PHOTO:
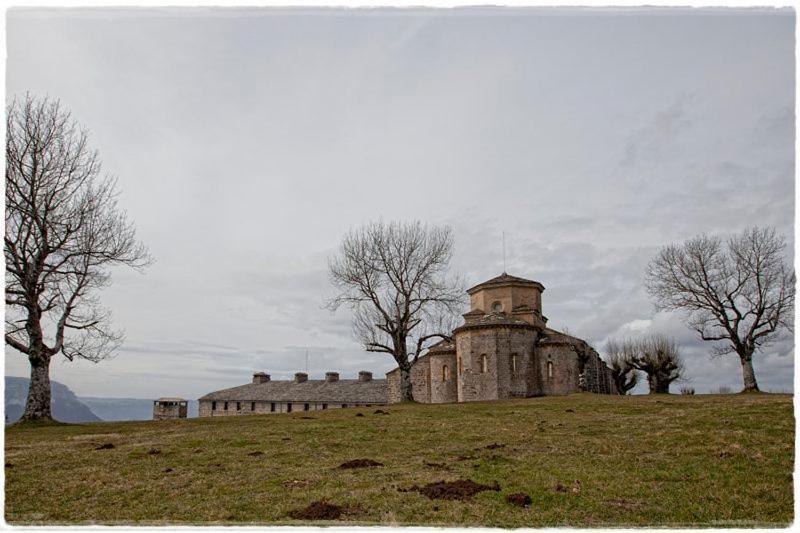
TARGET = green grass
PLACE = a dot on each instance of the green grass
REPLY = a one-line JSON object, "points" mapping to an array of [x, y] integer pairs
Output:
{"points": [[723, 461]]}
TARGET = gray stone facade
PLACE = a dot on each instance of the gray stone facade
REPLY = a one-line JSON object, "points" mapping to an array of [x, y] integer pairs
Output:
{"points": [[168, 408], [505, 352], [266, 396]]}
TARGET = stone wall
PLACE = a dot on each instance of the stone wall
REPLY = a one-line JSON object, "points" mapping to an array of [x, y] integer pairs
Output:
{"points": [[508, 296], [497, 345], [165, 412], [208, 408], [420, 382], [516, 372], [597, 376], [443, 388], [557, 369]]}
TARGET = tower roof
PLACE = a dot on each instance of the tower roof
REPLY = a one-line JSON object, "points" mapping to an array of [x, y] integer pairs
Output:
{"points": [[505, 279]]}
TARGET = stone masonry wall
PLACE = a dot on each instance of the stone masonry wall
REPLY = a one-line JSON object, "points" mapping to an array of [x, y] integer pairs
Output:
{"points": [[597, 375], [515, 363], [565, 375], [497, 345], [420, 384], [265, 408], [443, 389]]}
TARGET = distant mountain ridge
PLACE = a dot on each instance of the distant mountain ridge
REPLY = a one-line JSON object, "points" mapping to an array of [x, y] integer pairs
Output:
{"points": [[120, 409], [65, 405]]}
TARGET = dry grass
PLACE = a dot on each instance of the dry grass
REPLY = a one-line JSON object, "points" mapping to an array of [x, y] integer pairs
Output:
{"points": [[610, 461]]}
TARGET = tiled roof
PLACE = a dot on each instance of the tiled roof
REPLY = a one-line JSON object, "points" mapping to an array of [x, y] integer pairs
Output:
{"points": [[505, 279], [341, 391], [490, 320], [443, 346]]}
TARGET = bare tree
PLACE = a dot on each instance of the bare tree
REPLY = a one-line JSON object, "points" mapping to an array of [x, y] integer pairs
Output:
{"points": [[395, 279], [63, 231], [659, 358], [738, 293], [620, 357]]}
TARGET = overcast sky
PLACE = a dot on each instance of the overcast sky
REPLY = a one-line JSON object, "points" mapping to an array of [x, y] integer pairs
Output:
{"points": [[247, 142]]}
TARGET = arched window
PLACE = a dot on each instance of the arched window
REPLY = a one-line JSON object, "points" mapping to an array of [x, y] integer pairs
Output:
{"points": [[458, 364], [497, 307], [549, 369], [483, 363], [445, 373]]}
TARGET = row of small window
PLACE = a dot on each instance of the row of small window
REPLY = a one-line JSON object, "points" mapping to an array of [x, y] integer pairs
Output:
{"points": [[273, 406], [484, 366]]}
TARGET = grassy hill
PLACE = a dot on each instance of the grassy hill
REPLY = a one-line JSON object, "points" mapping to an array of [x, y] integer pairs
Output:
{"points": [[583, 460]]}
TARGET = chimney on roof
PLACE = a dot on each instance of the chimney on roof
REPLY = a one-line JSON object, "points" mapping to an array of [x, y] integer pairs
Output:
{"points": [[300, 377], [330, 377], [260, 377], [364, 376]]}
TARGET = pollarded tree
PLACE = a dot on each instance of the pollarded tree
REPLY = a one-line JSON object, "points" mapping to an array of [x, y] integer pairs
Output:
{"points": [[658, 356], [63, 231], [619, 356], [738, 293], [395, 279]]}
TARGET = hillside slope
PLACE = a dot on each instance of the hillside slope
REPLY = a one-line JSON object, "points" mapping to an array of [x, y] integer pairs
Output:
{"points": [[65, 405], [583, 460]]}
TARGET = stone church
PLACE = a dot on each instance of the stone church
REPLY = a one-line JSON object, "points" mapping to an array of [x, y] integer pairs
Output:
{"points": [[504, 349]]}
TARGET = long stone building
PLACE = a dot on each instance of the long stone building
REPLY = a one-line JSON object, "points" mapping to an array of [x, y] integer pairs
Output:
{"points": [[264, 395], [504, 349]]}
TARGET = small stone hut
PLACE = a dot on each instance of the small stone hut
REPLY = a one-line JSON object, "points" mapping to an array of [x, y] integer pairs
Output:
{"points": [[166, 408], [267, 396]]}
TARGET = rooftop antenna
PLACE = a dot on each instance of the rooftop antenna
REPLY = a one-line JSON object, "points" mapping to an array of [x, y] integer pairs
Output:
{"points": [[306, 360], [504, 252]]}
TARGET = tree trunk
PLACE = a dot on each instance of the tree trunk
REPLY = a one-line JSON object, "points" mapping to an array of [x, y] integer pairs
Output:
{"points": [[748, 374], [38, 405], [652, 380], [406, 392]]}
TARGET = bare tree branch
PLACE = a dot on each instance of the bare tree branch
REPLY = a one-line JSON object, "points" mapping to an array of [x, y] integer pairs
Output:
{"points": [[64, 230], [739, 293], [394, 277]]}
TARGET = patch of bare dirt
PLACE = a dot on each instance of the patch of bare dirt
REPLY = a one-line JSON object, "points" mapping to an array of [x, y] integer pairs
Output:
{"points": [[493, 446], [317, 511], [465, 457], [360, 414], [307, 418], [153, 451], [380, 412], [569, 411], [360, 463], [106, 446], [255, 453], [438, 466], [463, 489], [575, 488], [167, 470], [520, 499], [622, 502]]}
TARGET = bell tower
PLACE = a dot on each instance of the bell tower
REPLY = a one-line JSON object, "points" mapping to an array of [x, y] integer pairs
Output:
{"points": [[516, 297]]}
